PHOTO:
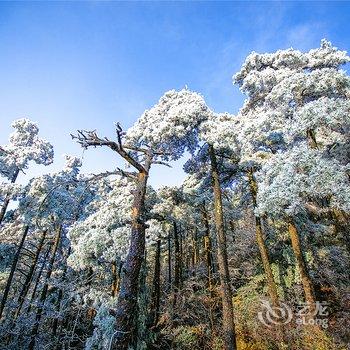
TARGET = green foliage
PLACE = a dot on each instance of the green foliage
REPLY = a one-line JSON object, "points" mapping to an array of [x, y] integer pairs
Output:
{"points": [[190, 337]]}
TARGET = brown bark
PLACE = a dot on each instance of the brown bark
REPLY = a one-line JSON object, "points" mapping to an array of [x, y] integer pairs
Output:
{"points": [[155, 299], [115, 279], [304, 273], [272, 288], [169, 261], [232, 228], [44, 291], [7, 198], [229, 335], [127, 302], [209, 262], [266, 263], [181, 258], [195, 247], [120, 267], [208, 249], [177, 265], [342, 226], [13, 269], [311, 138], [29, 276]]}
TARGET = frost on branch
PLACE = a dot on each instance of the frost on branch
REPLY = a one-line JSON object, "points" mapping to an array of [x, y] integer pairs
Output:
{"points": [[292, 95], [170, 126], [220, 131], [292, 179], [104, 233], [24, 146], [274, 65], [53, 198]]}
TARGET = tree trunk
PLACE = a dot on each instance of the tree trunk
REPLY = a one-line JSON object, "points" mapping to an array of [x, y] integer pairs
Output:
{"points": [[115, 279], [229, 334], [127, 302], [29, 276], [177, 267], [262, 244], [7, 198], [43, 294], [169, 261], [304, 273], [208, 249], [36, 285], [181, 256], [195, 247], [341, 220], [13, 268], [209, 262], [60, 295], [155, 300], [120, 268]]}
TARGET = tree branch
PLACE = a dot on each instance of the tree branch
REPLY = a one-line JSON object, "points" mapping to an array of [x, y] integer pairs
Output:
{"points": [[90, 138]]}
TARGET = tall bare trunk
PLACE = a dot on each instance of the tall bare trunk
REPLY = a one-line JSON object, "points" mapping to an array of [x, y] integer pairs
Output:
{"points": [[127, 302], [272, 288], [181, 257], [177, 267], [208, 249], [155, 299], [195, 247], [169, 261], [229, 334], [304, 273], [13, 269], [29, 276], [208, 261], [43, 294]]}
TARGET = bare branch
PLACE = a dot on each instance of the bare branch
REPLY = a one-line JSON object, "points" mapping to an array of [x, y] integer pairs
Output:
{"points": [[162, 163], [90, 138], [119, 172]]}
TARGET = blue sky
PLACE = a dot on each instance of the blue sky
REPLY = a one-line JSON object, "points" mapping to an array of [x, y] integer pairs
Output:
{"points": [[72, 65]]}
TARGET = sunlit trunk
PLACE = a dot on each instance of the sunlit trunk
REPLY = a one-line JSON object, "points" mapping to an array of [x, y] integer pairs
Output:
{"points": [[272, 288], [116, 274], [126, 307], [229, 335], [304, 273]]}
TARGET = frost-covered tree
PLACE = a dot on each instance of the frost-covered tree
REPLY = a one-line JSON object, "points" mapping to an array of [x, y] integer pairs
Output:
{"points": [[106, 262], [50, 203], [24, 146], [162, 133], [294, 125], [222, 133], [217, 157]]}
